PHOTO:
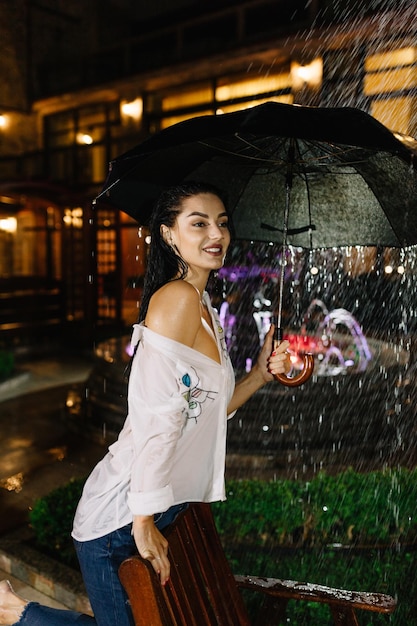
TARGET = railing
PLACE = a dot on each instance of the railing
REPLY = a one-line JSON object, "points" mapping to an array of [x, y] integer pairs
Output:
{"points": [[30, 309]]}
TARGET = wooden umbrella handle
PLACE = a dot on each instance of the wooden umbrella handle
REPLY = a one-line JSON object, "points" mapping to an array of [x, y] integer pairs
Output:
{"points": [[300, 378]]}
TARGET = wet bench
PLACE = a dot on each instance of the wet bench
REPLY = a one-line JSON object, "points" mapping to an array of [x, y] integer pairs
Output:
{"points": [[202, 590]]}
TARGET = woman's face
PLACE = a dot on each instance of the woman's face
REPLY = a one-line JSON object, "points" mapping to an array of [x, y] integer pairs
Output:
{"points": [[201, 232]]}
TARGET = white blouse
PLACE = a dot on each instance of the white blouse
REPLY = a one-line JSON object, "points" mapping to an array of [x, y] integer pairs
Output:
{"points": [[172, 446]]}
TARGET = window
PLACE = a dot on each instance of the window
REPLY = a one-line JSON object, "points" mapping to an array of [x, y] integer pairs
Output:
{"points": [[76, 142], [221, 95], [391, 84]]}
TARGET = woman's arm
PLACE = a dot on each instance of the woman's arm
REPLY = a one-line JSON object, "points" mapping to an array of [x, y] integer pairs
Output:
{"points": [[174, 312], [152, 545], [263, 371]]}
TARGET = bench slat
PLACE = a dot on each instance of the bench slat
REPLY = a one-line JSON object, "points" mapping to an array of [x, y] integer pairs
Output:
{"points": [[377, 602], [202, 590]]}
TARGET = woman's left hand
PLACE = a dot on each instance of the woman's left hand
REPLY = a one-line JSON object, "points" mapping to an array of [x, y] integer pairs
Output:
{"points": [[273, 358]]}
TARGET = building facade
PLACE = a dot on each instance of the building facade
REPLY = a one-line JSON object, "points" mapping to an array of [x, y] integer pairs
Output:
{"points": [[84, 82]]}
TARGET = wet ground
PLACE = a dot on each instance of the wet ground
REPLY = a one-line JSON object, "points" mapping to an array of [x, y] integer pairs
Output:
{"points": [[37, 453]]}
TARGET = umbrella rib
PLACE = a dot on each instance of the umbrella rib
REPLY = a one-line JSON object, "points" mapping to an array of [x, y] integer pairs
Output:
{"points": [[331, 151], [248, 157], [106, 190], [306, 182]]}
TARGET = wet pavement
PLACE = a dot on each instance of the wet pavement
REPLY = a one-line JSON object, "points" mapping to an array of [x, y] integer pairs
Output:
{"points": [[38, 454]]}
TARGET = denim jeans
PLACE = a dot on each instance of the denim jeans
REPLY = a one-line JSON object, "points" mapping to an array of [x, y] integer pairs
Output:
{"points": [[99, 561]]}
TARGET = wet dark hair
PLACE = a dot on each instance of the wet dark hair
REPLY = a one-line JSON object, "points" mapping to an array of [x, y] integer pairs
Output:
{"points": [[163, 263]]}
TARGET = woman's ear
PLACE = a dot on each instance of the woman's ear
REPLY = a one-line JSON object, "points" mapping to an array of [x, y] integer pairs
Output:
{"points": [[166, 235]]}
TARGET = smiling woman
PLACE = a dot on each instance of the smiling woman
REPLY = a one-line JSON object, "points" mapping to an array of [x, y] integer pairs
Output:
{"points": [[172, 447]]}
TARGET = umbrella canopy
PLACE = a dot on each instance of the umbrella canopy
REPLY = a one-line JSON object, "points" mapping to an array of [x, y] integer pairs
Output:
{"points": [[351, 181]]}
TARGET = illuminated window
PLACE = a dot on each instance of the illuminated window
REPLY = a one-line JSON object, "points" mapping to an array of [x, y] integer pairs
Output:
{"points": [[76, 141], [396, 113], [227, 94], [175, 119], [247, 87], [190, 97], [393, 58], [391, 82], [229, 108], [85, 125]]}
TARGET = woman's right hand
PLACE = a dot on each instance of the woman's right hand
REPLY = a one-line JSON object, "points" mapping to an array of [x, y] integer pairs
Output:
{"points": [[152, 545]]}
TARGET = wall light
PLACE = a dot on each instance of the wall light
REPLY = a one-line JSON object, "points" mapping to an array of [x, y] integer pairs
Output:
{"points": [[132, 109], [84, 138], [4, 121], [307, 75], [73, 217], [8, 224]]}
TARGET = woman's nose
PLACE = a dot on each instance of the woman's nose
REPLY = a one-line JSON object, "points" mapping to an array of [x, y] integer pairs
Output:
{"points": [[216, 232]]}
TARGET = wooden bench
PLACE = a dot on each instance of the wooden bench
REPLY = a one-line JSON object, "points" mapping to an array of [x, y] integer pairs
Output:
{"points": [[203, 591]]}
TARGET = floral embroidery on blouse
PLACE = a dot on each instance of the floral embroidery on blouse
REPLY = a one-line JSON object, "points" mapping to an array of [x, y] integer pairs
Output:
{"points": [[221, 335], [193, 394]]}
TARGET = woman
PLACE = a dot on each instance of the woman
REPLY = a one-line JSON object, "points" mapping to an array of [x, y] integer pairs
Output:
{"points": [[171, 450]]}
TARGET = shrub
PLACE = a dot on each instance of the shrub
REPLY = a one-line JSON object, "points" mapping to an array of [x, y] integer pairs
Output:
{"points": [[349, 508], [51, 520], [6, 364], [312, 531]]}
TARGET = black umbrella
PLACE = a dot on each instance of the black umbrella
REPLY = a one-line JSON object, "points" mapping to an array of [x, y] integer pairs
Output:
{"points": [[353, 180], [307, 176]]}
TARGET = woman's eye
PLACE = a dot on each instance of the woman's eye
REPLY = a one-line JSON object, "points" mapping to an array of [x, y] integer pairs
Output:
{"points": [[224, 224]]}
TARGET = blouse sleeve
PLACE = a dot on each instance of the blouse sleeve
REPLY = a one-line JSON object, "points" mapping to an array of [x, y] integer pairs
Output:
{"points": [[157, 412]]}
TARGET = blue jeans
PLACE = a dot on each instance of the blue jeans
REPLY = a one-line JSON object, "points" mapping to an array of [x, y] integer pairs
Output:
{"points": [[99, 561]]}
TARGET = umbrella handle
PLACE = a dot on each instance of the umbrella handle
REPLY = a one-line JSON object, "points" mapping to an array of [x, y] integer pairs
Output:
{"points": [[302, 377]]}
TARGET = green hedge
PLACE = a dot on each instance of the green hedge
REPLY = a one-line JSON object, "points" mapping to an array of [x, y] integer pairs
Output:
{"points": [[51, 520], [6, 364], [349, 508], [352, 530]]}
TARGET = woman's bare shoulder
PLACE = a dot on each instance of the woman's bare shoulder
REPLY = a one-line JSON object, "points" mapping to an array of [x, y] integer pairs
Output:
{"points": [[174, 312]]}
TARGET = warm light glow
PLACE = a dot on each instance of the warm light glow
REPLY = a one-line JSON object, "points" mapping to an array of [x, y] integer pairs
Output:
{"points": [[253, 87], [359, 260], [187, 97], [307, 75], [388, 269], [12, 483], [8, 224], [3, 121], [392, 72], [84, 138], [169, 121], [389, 81], [397, 114], [391, 58], [286, 99], [73, 217], [132, 109]]}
